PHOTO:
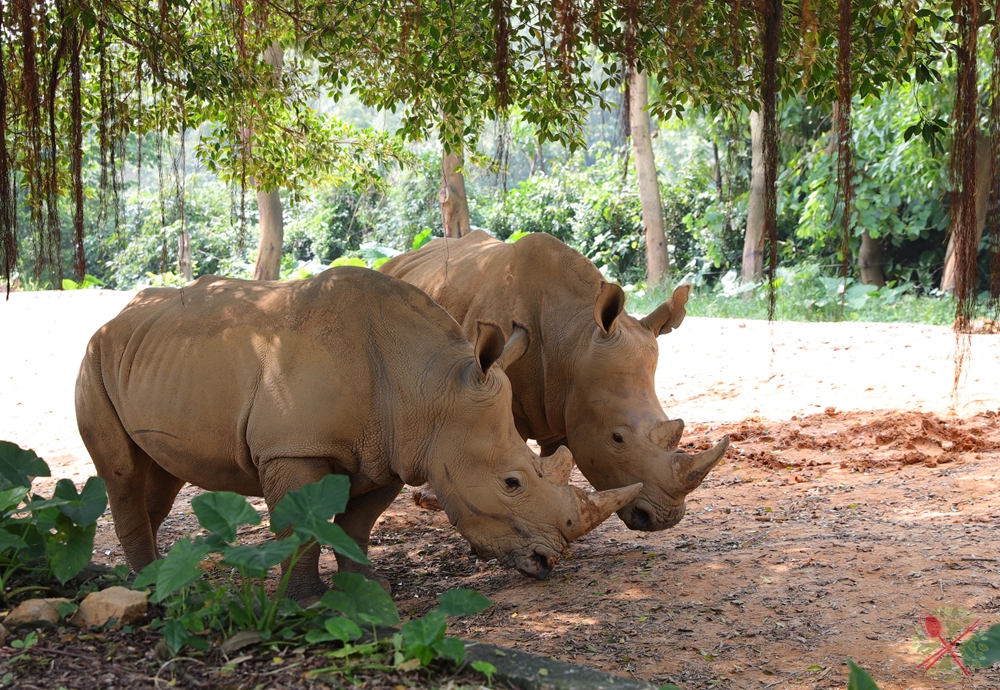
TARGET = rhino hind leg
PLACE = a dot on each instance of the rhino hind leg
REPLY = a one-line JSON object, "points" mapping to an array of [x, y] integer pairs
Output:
{"points": [[119, 462], [161, 490], [357, 521]]}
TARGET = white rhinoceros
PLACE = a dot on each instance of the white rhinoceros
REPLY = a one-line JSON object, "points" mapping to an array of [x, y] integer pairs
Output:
{"points": [[587, 378], [263, 387]]}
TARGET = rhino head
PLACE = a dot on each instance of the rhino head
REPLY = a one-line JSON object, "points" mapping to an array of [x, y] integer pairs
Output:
{"points": [[614, 422], [510, 503]]}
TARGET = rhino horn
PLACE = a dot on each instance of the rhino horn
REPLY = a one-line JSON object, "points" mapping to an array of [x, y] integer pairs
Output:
{"points": [[667, 435], [690, 470], [670, 314], [557, 467], [594, 508]]}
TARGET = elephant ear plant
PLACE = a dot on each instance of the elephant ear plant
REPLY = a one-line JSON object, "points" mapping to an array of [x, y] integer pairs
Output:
{"points": [[43, 539], [197, 608]]}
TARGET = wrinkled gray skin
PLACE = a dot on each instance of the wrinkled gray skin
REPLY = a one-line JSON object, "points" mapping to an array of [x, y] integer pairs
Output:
{"points": [[263, 387], [587, 380]]}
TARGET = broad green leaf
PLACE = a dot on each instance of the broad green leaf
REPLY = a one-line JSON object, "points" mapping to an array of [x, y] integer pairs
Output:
{"points": [[221, 512], [859, 678], [451, 648], [86, 506], [462, 602], [180, 568], [148, 576], [421, 636], [342, 629], [329, 534], [12, 497], [257, 560], [983, 649], [70, 548], [10, 541], [175, 635], [422, 238], [361, 600], [18, 466], [321, 500]]}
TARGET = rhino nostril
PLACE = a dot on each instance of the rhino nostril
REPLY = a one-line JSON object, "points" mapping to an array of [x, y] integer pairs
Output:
{"points": [[544, 565], [640, 520]]}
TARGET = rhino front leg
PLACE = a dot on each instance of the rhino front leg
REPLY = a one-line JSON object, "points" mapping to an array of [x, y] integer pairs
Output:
{"points": [[357, 521], [278, 477]]}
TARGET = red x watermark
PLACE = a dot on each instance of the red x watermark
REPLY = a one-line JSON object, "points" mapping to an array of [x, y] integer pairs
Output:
{"points": [[934, 629]]}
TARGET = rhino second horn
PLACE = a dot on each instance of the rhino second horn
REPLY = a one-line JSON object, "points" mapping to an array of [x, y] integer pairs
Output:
{"points": [[667, 435], [557, 467], [594, 508], [692, 469]]}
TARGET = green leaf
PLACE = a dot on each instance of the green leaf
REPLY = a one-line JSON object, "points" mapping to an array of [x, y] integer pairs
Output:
{"points": [[255, 561], [11, 498], [148, 576], [425, 631], [462, 602], [983, 649], [342, 629], [19, 466], [86, 506], [70, 548], [859, 678], [335, 537], [451, 648], [180, 568], [361, 600], [322, 500], [422, 238], [175, 635], [221, 512], [10, 542]]}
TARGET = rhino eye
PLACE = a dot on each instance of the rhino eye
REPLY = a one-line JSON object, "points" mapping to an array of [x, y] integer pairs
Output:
{"points": [[617, 438], [512, 483]]}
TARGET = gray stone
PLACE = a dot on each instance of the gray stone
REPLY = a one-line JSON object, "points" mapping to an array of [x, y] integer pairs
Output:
{"points": [[531, 672], [35, 612], [114, 603], [3, 636]]}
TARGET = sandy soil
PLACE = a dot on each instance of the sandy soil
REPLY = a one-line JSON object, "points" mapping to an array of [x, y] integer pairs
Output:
{"points": [[859, 494]]}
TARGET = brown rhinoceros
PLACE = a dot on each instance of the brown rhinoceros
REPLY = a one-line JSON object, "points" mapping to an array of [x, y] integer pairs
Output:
{"points": [[587, 379], [263, 387]]}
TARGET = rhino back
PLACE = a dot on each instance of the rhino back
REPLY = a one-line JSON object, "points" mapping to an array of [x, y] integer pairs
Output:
{"points": [[214, 378], [539, 282]]}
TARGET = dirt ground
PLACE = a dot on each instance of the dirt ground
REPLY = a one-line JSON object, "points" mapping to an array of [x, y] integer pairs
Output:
{"points": [[860, 493]]}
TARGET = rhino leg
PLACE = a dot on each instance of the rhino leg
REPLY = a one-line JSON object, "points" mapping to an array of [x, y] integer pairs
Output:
{"points": [[121, 464], [161, 490], [278, 477], [357, 521]]}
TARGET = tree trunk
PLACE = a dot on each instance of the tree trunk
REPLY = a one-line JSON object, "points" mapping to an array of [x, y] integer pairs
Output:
{"points": [[657, 256], [984, 171], [272, 225], [870, 260], [454, 204], [753, 240]]}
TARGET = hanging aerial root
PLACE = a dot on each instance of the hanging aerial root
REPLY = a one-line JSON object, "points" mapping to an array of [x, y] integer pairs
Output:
{"points": [[769, 97]]}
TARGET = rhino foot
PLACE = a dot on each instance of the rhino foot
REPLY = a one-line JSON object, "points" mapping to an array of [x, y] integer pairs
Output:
{"points": [[425, 497]]}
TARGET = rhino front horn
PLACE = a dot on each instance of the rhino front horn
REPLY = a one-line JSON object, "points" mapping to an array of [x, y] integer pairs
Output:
{"points": [[594, 508], [691, 470], [667, 434]]}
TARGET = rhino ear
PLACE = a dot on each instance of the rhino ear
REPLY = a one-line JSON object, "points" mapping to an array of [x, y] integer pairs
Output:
{"points": [[610, 304], [491, 350], [670, 314]]}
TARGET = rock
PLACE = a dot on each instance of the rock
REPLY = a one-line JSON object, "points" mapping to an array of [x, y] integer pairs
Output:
{"points": [[35, 612], [3, 636], [113, 603]]}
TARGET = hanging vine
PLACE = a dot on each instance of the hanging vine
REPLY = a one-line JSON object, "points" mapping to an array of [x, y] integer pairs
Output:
{"points": [[772, 11], [845, 143]]}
